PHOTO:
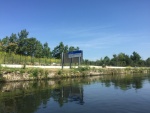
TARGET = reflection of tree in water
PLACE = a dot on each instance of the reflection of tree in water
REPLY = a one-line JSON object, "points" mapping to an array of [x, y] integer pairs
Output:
{"points": [[24, 103], [36, 94], [148, 77], [24, 100], [30, 96], [1, 86], [123, 82]]}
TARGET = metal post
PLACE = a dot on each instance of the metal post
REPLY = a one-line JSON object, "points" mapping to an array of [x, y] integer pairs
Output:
{"points": [[70, 62], [62, 60], [79, 62]]}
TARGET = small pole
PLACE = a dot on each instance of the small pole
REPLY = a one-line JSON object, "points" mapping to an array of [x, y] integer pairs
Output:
{"points": [[70, 62], [79, 62], [62, 60]]}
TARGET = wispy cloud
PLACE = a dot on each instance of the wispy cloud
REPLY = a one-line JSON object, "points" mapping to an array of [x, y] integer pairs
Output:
{"points": [[99, 42], [103, 40], [78, 32]]}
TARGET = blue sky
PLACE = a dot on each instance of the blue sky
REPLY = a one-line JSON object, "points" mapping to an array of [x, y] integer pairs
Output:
{"points": [[99, 27]]}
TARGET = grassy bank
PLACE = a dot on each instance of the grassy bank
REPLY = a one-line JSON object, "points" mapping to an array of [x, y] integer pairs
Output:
{"points": [[21, 74]]}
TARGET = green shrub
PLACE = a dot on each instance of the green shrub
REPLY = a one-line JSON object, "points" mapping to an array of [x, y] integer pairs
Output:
{"points": [[46, 73], [35, 73], [83, 68], [41, 72], [22, 71], [59, 72]]}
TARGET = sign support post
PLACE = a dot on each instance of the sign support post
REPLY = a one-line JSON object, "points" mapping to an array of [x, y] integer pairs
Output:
{"points": [[62, 61], [70, 62], [79, 62]]}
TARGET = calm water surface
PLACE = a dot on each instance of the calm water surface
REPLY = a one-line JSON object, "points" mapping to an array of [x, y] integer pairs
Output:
{"points": [[99, 94]]}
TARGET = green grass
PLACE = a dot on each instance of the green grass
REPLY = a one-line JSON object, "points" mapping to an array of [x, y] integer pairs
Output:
{"points": [[11, 58]]}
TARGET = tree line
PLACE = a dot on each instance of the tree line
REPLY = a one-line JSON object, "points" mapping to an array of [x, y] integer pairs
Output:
{"points": [[29, 46], [120, 59], [21, 44]]}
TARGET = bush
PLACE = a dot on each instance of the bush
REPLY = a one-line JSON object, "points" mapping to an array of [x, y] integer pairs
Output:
{"points": [[46, 73], [59, 72], [35, 73], [83, 69]]}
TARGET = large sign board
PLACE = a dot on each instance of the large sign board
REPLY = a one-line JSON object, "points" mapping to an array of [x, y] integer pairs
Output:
{"points": [[73, 57], [74, 54]]}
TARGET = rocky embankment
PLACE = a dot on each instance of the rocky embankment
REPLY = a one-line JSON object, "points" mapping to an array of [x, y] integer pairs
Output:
{"points": [[36, 73]]}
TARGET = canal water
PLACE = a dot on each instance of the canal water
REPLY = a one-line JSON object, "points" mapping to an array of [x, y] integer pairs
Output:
{"points": [[98, 94]]}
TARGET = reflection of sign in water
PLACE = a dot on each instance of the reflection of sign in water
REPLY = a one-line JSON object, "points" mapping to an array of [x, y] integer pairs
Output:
{"points": [[73, 54], [68, 94]]}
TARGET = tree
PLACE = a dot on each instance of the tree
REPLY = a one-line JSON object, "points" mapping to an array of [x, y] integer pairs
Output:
{"points": [[72, 48], [46, 50], [23, 34], [31, 46], [148, 61], [114, 60], [128, 60], [135, 58], [101, 61], [62, 48], [5, 43], [39, 50], [66, 49], [106, 60], [13, 38], [22, 42], [121, 59], [12, 47], [13, 43], [58, 50]]}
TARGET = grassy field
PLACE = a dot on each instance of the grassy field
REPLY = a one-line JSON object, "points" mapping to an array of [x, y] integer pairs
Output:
{"points": [[11, 58]]}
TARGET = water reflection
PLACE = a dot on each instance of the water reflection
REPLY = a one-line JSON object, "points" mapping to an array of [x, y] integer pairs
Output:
{"points": [[26, 97], [125, 82], [67, 94]]}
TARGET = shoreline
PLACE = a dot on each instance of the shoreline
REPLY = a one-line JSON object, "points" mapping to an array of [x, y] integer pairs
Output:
{"points": [[12, 73]]}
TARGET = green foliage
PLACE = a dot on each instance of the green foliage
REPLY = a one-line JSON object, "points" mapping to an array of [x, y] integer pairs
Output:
{"points": [[46, 51], [24, 45], [120, 60], [35, 72], [22, 71], [46, 73], [62, 48], [81, 69], [12, 58], [41, 72], [60, 72], [148, 61]]}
